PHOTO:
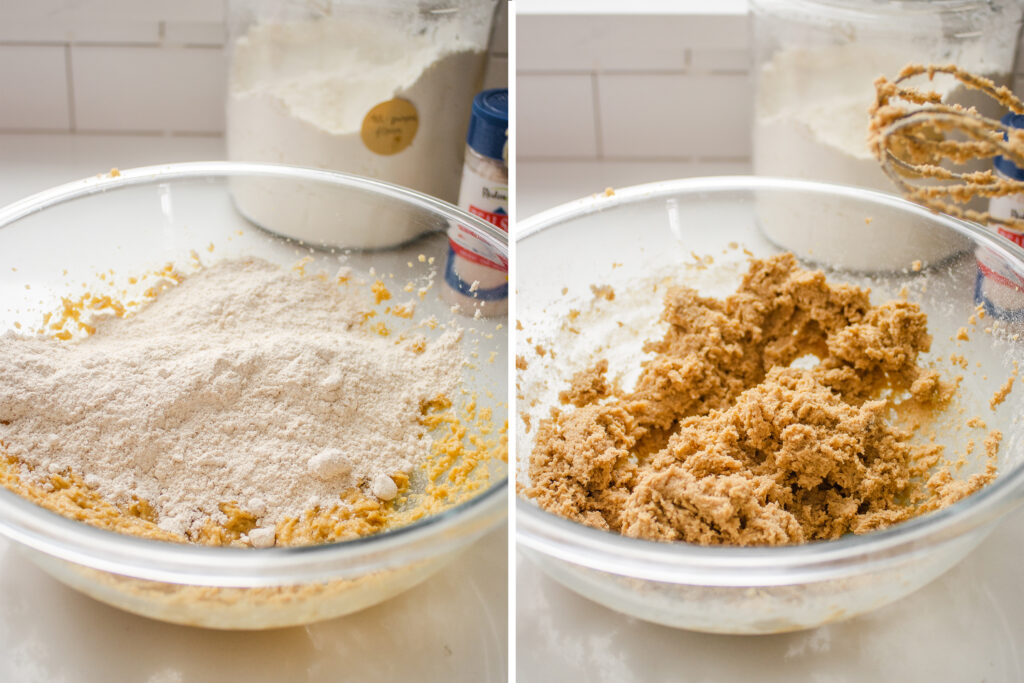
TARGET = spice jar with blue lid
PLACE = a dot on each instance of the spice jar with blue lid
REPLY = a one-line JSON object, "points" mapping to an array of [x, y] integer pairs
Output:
{"points": [[996, 287], [475, 275]]}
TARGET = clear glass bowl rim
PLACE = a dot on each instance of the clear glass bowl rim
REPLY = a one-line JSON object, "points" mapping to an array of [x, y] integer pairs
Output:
{"points": [[683, 563], [48, 532]]}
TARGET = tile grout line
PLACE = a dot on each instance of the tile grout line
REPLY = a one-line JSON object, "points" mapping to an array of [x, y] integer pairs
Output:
{"points": [[72, 123], [32, 43], [36, 131]]}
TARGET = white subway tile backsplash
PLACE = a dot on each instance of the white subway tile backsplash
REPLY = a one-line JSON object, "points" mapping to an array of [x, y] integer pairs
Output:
{"points": [[110, 32], [718, 60], [92, 31], [674, 116], [617, 7], [16, 31], [149, 89], [194, 33], [33, 80], [555, 116], [622, 42], [75, 12]]}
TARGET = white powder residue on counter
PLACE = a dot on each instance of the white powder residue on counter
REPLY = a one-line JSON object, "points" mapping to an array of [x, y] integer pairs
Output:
{"points": [[245, 383], [299, 94]]}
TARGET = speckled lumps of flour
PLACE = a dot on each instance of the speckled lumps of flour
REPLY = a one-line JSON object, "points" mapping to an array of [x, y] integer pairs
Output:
{"points": [[245, 383]]}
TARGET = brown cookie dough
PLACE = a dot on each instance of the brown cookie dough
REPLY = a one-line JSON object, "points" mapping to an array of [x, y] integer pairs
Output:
{"points": [[587, 386], [724, 440]]}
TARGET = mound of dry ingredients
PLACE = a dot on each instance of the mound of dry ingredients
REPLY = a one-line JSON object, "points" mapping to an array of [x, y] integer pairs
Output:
{"points": [[242, 398], [726, 440]]}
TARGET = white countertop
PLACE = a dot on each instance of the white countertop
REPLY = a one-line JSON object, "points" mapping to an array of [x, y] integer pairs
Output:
{"points": [[543, 184], [452, 627], [966, 626]]}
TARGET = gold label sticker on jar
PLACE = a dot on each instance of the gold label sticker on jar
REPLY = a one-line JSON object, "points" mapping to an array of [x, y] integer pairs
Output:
{"points": [[390, 127]]}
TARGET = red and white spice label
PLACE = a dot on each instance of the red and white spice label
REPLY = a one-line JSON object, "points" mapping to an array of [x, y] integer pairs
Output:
{"points": [[998, 285], [487, 199]]}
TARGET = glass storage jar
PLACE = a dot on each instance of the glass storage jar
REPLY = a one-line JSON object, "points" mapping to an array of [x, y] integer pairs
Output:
{"points": [[815, 63], [377, 88]]}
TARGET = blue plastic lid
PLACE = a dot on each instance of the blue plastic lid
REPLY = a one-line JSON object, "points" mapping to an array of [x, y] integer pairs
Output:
{"points": [[488, 124], [1002, 164]]}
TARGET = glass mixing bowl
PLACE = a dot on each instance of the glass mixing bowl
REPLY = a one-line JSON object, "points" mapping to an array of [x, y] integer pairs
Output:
{"points": [[651, 230], [124, 224]]}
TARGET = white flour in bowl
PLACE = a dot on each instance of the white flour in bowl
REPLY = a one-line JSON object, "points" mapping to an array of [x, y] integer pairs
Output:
{"points": [[300, 93], [245, 383]]}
